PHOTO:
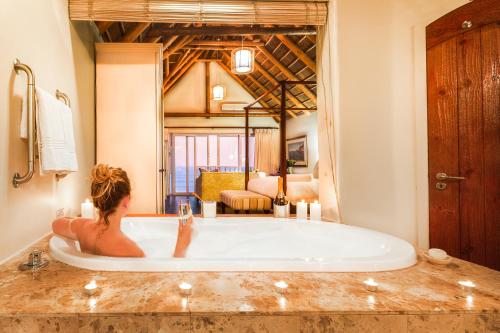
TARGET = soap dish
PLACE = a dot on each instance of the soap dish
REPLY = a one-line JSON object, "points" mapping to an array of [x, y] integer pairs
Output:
{"points": [[436, 261]]}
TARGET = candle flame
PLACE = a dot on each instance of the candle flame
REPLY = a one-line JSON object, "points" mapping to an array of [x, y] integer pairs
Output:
{"points": [[467, 283]]}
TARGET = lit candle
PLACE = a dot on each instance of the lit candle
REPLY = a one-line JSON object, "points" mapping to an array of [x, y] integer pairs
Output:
{"points": [[185, 289], [469, 301], [91, 288], [281, 286], [467, 286], [282, 302], [209, 209], [302, 210], [315, 208], [371, 285], [87, 209]]}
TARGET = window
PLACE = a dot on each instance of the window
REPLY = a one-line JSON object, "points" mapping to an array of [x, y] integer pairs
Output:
{"points": [[192, 152]]}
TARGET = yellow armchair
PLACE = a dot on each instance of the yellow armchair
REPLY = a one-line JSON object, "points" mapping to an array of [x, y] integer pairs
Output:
{"points": [[209, 184]]}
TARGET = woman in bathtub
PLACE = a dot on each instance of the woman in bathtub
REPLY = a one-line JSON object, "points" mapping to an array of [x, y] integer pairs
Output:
{"points": [[110, 192]]}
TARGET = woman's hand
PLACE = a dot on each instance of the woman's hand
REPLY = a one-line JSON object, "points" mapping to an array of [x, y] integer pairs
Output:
{"points": [[183, 238]]}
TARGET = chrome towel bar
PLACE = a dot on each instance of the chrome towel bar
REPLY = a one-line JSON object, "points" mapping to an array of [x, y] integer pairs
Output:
{"points": [[30, 103]]}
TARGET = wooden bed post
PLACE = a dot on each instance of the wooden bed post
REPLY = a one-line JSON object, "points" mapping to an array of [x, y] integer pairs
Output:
{"points": [[283, 134], [247, 138]]}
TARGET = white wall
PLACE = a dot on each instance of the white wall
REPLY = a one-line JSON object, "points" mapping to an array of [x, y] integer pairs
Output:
{"points": [[381, 112], [305, 125], [60, 53]]}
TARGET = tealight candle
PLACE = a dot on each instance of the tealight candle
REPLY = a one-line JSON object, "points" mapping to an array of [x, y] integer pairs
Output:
{"points": [[467, 286], [302, 210], [185, 289], [87, 209], [315, 208], [91, 288], [281, 286], [371, 285]]}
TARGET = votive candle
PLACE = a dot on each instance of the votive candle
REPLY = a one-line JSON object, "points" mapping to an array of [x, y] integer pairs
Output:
{"points": [[315, 208], [87, 209], [185, 289], [91, 288], [371, 285], [301, 210]]}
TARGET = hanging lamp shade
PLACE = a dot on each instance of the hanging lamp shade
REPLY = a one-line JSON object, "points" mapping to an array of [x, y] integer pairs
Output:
{"points": [[218, 92], [242, 60]]}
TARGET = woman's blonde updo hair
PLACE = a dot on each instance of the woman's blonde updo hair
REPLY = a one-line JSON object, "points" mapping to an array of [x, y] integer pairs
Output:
{"points": [[109, 187]]}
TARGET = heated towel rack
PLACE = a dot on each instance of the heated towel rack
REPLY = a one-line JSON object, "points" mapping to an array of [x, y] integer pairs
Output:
{"points": [[19, 67], [30, 103]]}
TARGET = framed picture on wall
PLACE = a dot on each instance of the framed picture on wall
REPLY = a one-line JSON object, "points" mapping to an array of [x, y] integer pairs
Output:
{"points": [[296, 149]]}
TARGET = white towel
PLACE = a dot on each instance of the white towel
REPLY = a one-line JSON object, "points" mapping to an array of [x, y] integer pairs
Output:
{"points": [[56, 142], [23, 126]]}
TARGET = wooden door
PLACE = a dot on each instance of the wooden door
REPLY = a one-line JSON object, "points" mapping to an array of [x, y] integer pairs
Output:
{"points": [[463, 99]]}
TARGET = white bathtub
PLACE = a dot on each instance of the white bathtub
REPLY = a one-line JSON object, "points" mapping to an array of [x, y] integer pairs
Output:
{"points": [[249, 244]]}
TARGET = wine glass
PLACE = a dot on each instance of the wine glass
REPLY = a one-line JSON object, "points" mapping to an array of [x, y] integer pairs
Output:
{"points": [[185, 211]]}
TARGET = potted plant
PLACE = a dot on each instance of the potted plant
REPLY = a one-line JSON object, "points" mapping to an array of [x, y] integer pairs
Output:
{"points": [[289, 166]]}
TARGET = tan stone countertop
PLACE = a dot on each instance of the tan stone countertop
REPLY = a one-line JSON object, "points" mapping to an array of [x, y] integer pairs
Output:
{"points": [[57, 290]]}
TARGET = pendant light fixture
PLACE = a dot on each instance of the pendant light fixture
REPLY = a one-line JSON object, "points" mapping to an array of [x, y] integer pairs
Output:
{"points": [[242, 60], [218, 90]]}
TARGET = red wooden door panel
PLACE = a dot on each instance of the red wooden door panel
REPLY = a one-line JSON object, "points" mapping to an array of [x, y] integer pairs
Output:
{"points": [[470, 143], [463, 115], [490, 45], [444, 226]]}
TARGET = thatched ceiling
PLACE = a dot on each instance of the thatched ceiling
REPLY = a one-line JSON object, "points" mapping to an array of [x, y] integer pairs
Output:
{"points": [[282, 53]]}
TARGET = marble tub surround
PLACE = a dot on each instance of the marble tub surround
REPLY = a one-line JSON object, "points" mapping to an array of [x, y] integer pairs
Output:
{"points": [[422, 298]]}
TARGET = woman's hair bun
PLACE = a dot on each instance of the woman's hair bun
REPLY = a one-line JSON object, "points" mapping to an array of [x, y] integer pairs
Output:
{"points": [[109, 186], [101, 173]]}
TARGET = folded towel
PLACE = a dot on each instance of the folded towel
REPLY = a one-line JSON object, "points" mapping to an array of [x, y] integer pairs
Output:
{"points": [[56, 142]]}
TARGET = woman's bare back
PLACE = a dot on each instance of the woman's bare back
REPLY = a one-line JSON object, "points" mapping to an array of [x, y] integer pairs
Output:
{"points": [[97, 238]]}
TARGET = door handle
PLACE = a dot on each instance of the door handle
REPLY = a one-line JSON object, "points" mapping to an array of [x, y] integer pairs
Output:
{"points": [[444, 176]]}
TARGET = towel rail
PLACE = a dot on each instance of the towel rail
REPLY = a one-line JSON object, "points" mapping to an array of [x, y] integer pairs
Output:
{"points": [[30, 103], [62, 96]]}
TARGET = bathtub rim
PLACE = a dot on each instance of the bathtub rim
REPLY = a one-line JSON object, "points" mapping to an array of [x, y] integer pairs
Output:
{"points": [[60, 251]]}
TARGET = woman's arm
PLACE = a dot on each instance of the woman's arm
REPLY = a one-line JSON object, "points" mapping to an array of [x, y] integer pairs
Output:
{"points": [[183, 238], [67, 227]]}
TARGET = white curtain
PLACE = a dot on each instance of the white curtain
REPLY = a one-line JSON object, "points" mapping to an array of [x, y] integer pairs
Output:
{"points": [[267, 150], [327, 106]]}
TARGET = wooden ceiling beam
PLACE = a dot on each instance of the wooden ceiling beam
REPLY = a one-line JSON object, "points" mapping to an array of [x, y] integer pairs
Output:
{"points": [[287, 73], [230, 31], [171, 82], [274, 81], [208, 47], [135, 32], [177, 45], [234, 43], [242, 83], [185, 58], [103, 26], [213, 114], [207, 87], [152, 39], [298, 52]]}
